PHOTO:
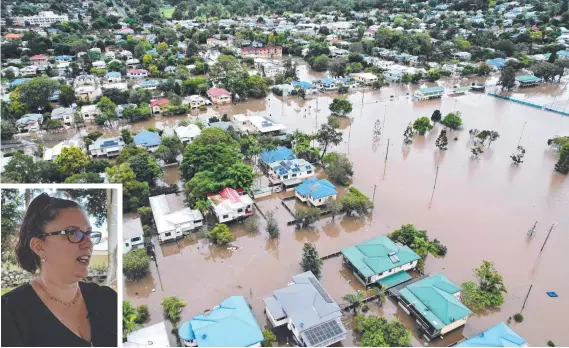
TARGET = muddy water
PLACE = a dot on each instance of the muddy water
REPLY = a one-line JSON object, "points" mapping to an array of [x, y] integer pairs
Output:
{"points": [[481, 209]]}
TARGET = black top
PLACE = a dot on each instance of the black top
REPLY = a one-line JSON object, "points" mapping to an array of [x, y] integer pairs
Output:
{"points": [[26, 320]]}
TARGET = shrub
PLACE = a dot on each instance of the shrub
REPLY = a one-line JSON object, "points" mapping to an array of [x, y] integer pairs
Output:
{"points": [[452, 120], [422, 125], [270, 340], [252, 224], [202, 108], [220, 235], [550, 343], [141, 314], [136, 264], [355, 201], [172, 307], [518, 317], [272, 226], [305, 218]]}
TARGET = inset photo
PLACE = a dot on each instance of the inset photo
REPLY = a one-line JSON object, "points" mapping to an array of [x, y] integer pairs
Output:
{"points": [[59, 265]]}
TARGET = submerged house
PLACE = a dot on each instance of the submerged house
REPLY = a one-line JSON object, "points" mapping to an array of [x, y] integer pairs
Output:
{"points": [[108, 147], [173, 219], [528, 80], [435, 302], [381, 261], [290, 173], [154, 335], [230, 324], [133, 235], [315, 191], [281, 153], [230, 204], [147, 140], [426, 93], [308, 311], [499, 335]]}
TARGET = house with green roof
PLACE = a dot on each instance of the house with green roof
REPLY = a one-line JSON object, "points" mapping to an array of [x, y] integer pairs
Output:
{"points": [[435, 302], [426, 93], [381, 261], [528, 80]]}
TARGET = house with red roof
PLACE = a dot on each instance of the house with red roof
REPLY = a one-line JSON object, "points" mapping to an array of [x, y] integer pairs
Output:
{"points": [[158, 105], [219, 96], [230, 204], [13, 36], [39, 59]]}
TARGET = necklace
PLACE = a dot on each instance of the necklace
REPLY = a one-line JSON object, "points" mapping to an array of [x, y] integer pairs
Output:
{"points": [[66, 304]]}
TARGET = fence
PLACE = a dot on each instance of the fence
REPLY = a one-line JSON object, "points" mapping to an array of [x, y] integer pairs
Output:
{"points": [[516, 100]]}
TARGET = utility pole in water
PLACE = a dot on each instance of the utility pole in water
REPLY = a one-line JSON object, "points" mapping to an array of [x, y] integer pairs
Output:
{"points": [[374, 187], [524, 305], [546, 238], [524, 127], [434, 186]]}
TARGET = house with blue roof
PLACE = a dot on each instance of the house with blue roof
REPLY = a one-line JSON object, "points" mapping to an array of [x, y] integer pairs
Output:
{"points": [[303, 84], [327, 84], [290, 173], [426, 93], [150, 84], [315, 191], [17, 82], [497, 63], [64, 58], [113, 76], [380, 261], [147, 140], [435, 302], [230, 324], [109, 147], [29, 123], [279, 154], [499, 335]]}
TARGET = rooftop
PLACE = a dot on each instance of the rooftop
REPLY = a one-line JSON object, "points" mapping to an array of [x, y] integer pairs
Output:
{"points": [[527, 78], [169, 211], [153, 335], [378, 255], [432, 89], [316, 188], [229, 200], [217, 92], [286, 167], [499, 335], [147, 138], [132, 228], [279, 154]]}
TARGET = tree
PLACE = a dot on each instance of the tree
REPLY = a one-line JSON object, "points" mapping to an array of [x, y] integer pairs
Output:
{"points": [[442, 141], [340, 106], [337, 67], [269, 338], [408, 135], [452, 120], [381, 294], [220, 235], [354, 201], [134, 192], [433, 75], [72, 160], [129, 318], [339, 168], [170, 148], [418, 240], [66, 95], [136, 264], [172, 307], [305, 218], [257, 87], [422, 125], [488, 293], [562, 165], [8, 129], [36, 92], [507, 78], [320, 63], [115, 65], [116, 95], [310, 260], [477, 149], [140, 96], [126, 136], [326, 136], [378, 332], [355, 299], [22, 169], [203, 205], [252, 224], [84, 178], [12, 212], [272, 225], [227, 73], [145, 168], [436, 117], [162, 47]]}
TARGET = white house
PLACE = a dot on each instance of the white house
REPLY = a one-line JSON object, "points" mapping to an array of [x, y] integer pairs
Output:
{"points": [[187, 133], [263, 125], [29, 123], [113, 76], [290, 172], [195, 101], [230, 204], [426, 93], [66, 115], [173, 219], [51, 153], [90, 113], [83, 80], [109, 147], [133, 235], [137, 73], [308, 311], [315, 192], [365, 78], [29, 70], [381, 261], [125, 53], [88, 93], [132, 63], [99, 64], [462, 55]]}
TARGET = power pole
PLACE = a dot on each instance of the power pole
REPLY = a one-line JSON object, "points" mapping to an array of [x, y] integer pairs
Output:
{"points": [[546, 238], [434, 185], [523, 306], [524, 127], [374, 187], [387, 152], [531, 232]]}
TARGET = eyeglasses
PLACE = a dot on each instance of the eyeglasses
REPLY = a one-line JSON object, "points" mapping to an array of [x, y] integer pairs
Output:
{"points": [[75, 235]]}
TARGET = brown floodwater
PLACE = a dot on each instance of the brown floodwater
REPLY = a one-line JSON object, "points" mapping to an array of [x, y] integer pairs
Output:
{"points": [[481, 209]]}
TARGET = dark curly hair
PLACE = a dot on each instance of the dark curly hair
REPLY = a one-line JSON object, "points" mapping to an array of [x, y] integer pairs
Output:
{"points": [[41, 211]]}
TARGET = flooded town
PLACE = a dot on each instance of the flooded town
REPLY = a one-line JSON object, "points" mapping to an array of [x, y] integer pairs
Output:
{"points": [[380, 175]]}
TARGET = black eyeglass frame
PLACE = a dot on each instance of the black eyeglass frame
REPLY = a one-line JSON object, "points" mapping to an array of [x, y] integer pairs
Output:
{"points": [[70, 232]]}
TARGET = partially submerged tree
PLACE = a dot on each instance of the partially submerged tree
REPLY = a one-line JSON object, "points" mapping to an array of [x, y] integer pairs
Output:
{"points": [[339, 168], [327, 136], [272, 225], [452, 120], [422, 125], [136, 264], [418, 240], [442, 141], [355, 299], [488, 293], [477, 149], [408, 135], [340, 106], [334, 206], [376, 331], [305, 218], [355, 202], [220, 235], [436, 116], [310, 260], [517, 157]]}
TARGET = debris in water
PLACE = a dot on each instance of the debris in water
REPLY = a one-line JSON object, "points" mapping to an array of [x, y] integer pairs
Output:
{"points": [[153, 290], [552, 294]]}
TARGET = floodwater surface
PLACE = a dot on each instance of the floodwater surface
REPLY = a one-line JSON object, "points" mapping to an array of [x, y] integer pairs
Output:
{"points": [[481, 209]]}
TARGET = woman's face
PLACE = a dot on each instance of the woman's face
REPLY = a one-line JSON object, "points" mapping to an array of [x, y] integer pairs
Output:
{"points": [[69, 260]]}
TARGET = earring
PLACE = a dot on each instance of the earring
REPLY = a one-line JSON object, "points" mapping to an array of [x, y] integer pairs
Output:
{"points": [[42, 260]]}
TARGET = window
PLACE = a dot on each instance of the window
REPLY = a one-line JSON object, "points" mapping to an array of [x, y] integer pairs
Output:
{"points": [[132, 240], [126, 245], [285, 176], [167, 234], [239, 210], [198, 222], [294, 175], [225, 216], [309, 172]]}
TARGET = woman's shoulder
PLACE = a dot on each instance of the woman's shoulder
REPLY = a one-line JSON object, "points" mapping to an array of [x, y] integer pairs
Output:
{"points": [[94, 289], [21, 294]]}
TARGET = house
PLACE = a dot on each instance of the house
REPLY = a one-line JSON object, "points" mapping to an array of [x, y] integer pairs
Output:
{"points": [[303, 84], [394, 74], [148, 140], [230, 204], [154, 335], [132, 63], [51, 153], [39, 59], [281, 153], [158, 105], [66, 115], [17, 82], [219, 96], [365, 78], [264, 126], [125, 53], [109, 147], [499, 335], [266, 52], [339, 52], [13, 36], [230, 324], [284, 89], [308, 311], [29, 70], [90, 113], [434, 301], [315, 191], [380, 261], [110, 55], [528, 80], [99, 64], [64, 58], [327, 84], [29, 123], [173, 219], [195, 101], [88, 93], [83, 80], [133, 235], [462, 55], [137, 73], [290, 172], [113, 76], [188, 133], [148, 85], [497, 63], [426, 93]]}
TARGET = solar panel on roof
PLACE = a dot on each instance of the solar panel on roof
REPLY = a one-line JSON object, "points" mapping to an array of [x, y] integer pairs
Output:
{"points": [[323, 332], [393, 257], [320, 290], [266, 124]]}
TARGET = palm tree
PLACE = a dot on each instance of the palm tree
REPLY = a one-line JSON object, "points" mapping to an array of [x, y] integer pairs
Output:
{"points": [[203, 206], [355, 299], [129, 324], [381, 293]]}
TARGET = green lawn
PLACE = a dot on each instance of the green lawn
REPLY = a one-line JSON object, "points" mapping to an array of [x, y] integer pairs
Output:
{"points": [[167, 12], [5, 291]]}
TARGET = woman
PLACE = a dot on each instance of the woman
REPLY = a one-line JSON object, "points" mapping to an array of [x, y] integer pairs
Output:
{"points": [[56, 308]]}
